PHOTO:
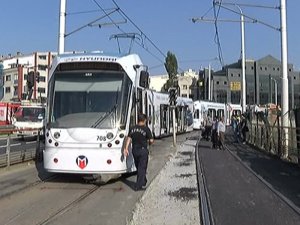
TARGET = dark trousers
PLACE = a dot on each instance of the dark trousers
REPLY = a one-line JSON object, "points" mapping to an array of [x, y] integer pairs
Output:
{"points": [[214, 138], [140, 156]]}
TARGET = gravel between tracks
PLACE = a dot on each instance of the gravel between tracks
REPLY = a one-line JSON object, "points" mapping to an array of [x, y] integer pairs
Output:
{"points": [[172, 197]]}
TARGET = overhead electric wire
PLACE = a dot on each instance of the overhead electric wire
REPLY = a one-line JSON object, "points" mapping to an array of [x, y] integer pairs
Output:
{"points": [[86, 12], [90, 23], [217, 38], [118, 27], [146, 37], [251, 18], [252, 5]]}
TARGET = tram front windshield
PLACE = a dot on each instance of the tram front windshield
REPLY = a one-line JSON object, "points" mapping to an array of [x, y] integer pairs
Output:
{"points": [[89, 99]]}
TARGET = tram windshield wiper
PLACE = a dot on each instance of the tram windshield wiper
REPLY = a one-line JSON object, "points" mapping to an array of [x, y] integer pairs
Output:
{"points": [[108, 113]]}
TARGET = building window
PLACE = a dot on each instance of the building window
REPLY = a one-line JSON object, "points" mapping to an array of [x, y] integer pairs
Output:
{"points": [[184, 87], [266, 68], [42, 67], [25, 76], [7, 89], [239, 75], [8, 78], [217, 82], [42, 79], [42, 57], [278, 69], [252, 68], [232, 74], [294, 78], [290, 69], [41, 90], [225, 82], [184, 95], [15, 91], [15, 76], [260, 68]]}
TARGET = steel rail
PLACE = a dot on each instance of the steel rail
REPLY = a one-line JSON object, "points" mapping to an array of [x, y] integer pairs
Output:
{"points": [[205, 208], [267, 184], [69, 206]]}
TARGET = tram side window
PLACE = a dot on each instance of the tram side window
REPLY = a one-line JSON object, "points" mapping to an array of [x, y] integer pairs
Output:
{"points": [[140, 100], [196, 114], [132, 117], [220, 113], [212, 113], [150, 115]]}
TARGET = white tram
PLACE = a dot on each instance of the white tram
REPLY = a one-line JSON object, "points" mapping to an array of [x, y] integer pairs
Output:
{"points": [[202, 109], [93, 99]]}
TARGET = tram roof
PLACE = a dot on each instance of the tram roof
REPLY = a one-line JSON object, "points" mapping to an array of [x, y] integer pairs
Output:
{"points": [[127, 61]]}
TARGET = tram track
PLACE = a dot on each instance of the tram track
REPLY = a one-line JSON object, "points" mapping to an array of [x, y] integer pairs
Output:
{"points": [[206, 213], [61, 211], [205, 202], [29, 186], [265, 183]]}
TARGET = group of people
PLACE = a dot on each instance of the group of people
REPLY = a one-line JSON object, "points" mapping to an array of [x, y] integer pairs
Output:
{"points": [[215, 129], [240, 128]]}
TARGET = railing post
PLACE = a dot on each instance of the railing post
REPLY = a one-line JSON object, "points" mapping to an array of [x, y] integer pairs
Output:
{"points": [[8, 151]]}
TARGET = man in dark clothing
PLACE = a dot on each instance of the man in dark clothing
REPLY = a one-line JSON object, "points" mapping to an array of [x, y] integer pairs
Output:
{"points": [[139, 136]]}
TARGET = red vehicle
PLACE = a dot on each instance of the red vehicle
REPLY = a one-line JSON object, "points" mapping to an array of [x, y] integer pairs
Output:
{"points": [[7, 110]]}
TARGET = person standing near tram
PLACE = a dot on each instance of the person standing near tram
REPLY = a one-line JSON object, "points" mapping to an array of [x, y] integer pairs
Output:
{"points": [[139, 136]]}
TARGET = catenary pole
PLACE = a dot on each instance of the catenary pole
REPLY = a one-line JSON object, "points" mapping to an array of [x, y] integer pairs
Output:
{"points": [[62, 27], [209, 82], [243, 59], [285, 85]]}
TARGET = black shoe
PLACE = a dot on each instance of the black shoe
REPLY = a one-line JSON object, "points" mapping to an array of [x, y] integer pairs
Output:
{"points": [[145, 182], [140, 189]]}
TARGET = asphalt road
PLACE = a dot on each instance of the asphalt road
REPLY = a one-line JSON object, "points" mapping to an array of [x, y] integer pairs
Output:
{"points": [[29, 195], [237, 196]]}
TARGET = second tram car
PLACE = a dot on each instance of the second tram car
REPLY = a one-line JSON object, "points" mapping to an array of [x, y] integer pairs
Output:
{"points": [[202, 109], [93, 100]]}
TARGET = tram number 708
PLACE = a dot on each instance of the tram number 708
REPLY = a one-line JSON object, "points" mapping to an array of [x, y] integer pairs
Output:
{"points": [[101, 138]]}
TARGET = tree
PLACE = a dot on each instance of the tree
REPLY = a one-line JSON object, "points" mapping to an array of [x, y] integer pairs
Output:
{"points": [[171, 68]]}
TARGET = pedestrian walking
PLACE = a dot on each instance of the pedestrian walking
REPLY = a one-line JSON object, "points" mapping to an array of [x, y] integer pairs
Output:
{"points": [[221, 133], [208, 126], [214, 135], [139, 135], [244, 129], [234, 125]]}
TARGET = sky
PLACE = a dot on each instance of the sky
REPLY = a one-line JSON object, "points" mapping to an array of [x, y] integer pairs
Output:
{"points": [[32, 25]]}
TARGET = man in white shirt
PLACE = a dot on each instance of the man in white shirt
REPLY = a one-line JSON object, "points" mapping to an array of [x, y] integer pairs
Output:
{"points": [[221, 133]]}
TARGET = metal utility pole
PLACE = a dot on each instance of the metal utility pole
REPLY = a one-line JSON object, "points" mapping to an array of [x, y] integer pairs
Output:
{"points": [[209, 82], [285, 84], [243, 55], [62, 27], [174, 126], [243, 59]]}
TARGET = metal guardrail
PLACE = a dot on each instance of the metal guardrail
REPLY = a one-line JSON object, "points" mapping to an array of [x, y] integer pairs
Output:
{"points": [[9, 158], [269, 136]]}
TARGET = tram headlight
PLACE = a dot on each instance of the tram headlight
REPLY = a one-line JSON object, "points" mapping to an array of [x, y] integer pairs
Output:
{"points": [[109, 135], [56, 135]]}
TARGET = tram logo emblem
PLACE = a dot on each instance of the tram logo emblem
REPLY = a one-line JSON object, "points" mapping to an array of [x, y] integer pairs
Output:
{"points": [[82, 161]]}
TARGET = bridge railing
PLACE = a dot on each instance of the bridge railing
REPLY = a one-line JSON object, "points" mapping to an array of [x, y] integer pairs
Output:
{"points": [[9, 157], [267, 134]]}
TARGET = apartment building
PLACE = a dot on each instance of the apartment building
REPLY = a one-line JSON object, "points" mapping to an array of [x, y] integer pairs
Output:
{"points": [[15, 74]]}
